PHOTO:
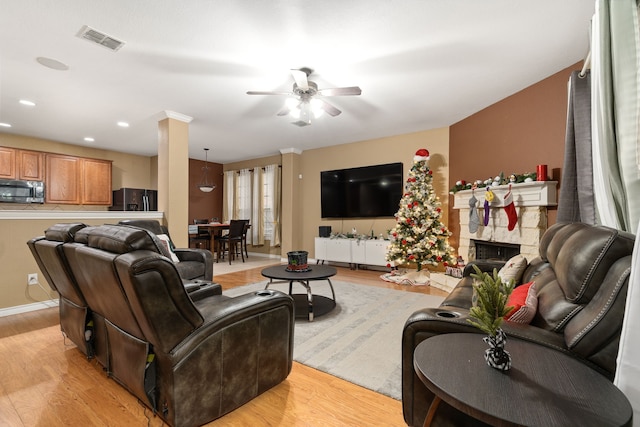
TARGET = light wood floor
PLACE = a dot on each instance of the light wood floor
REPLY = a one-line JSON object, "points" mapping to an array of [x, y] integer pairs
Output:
{"points": [[47, 382]]}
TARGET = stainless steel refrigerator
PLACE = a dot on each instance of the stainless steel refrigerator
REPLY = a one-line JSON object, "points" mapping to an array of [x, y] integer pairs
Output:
{"points": [[134, 199]]}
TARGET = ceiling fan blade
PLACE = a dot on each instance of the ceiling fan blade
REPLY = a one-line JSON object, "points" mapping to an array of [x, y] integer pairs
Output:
{"points": [[260, 92], [300, 78], [340, 91], [328, 108]]}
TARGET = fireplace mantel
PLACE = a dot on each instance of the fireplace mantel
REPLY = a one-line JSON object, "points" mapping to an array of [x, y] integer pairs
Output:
{"points": [[531, 200], [536, 193]]}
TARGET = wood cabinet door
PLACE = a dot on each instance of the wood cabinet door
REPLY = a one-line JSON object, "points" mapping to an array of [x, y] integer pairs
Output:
{"points": [[30, 165], [96, 182], [7, 163], [63, 179]]}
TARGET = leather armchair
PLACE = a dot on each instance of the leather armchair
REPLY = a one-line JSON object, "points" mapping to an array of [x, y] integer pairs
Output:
{"points": [[189, 361], [581, 279], [194, 263]]}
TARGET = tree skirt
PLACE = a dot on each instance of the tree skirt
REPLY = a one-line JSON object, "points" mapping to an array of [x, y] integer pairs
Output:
{"points": [[404, 277]]}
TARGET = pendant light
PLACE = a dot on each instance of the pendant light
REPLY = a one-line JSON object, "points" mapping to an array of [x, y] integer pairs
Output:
{"points": [[205, 186]]}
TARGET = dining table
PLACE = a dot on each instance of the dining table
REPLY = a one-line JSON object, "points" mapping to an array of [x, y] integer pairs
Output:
{"points": [[215, 230]]}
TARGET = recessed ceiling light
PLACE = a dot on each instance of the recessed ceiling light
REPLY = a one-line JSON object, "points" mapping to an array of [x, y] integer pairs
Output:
{"points": [[123, 124], [52, 63], [27, 103], [89, 139], [5, 125]]}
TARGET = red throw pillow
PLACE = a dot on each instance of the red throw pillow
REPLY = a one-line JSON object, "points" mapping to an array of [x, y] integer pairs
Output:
{"points": [[524, 301]]}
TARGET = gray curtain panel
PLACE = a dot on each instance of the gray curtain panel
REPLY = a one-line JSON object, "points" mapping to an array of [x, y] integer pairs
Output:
{"points": [[615, 48], [576, 202]]}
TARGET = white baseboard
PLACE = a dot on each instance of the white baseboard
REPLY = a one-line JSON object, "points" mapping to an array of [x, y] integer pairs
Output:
{"points": [[258, 254], [28, 307]]}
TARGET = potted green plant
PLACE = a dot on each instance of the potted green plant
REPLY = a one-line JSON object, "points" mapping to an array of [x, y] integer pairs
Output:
{"points": [[488, 310]]}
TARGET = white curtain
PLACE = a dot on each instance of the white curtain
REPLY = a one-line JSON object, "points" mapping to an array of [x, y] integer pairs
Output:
{"points": [[617, 62], [272, 203], [243, 195], [615, 113], [257, 214], [227, 201]]}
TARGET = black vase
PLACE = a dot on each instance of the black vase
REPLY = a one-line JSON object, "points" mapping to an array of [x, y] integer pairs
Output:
{"points": [[496, 356]]}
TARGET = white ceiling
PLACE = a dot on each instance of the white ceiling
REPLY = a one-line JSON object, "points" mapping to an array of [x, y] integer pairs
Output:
{"points": [[421, 64]]}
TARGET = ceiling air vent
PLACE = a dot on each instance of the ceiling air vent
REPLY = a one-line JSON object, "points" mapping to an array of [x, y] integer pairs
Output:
{"points": [[102, 39]]}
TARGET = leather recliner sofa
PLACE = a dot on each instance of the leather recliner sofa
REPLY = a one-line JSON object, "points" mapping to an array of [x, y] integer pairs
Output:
{"points": [[191, 360], [581, 279], [194, 263]]}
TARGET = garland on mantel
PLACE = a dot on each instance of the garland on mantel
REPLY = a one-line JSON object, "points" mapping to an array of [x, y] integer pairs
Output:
{"points": [[498, 180]]}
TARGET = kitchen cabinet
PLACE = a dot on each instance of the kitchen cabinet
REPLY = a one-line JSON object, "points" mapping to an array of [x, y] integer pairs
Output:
{"points": [[30, 165], [7, 163], [77, 180], [63, 179], [96, 182]]}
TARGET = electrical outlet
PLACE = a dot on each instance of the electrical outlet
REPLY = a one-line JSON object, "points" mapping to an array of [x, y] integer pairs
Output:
{"points": [[32, 279]]}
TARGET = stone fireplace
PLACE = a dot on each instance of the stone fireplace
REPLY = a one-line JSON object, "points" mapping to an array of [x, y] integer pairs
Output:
{"points": [[531, 201]]}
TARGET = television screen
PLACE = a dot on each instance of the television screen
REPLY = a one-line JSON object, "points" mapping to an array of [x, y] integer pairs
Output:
{"points": [[369, 191]]}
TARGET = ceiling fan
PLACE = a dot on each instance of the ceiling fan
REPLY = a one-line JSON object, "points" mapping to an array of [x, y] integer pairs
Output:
{"points": [[306, 99]]}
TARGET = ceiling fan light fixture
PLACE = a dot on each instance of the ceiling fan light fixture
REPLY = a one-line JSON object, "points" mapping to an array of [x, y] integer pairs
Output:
{"points": [[316, 108], [205, 186]]}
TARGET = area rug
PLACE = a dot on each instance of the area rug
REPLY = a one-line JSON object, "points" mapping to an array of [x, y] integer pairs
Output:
{"points": [[359, 340]]}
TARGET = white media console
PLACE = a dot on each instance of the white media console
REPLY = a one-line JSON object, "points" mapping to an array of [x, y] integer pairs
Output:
{"points": [[352, 251]]}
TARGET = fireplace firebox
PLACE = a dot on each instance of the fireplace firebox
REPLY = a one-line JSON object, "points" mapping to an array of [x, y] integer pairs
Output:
{"points": [[494, 250]]}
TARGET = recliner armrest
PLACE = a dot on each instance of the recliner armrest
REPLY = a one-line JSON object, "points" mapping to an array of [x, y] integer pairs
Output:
{"points": [[200, 289], [200, 255]]}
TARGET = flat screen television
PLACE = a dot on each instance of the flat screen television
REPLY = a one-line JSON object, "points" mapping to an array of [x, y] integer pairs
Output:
{"points": [[369, 191]]}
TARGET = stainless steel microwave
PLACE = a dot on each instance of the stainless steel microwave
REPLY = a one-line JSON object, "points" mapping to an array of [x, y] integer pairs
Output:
{"points": [[17, 191]]}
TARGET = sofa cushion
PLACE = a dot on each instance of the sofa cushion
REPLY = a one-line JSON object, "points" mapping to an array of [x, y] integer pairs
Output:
{"points": [[582, 259], [513, 269], [63, 232], [524, 301], [118, 239]]}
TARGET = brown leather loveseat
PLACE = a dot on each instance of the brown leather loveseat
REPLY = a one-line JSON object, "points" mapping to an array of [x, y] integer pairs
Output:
{"points": [[581, 279], [191, 360]]}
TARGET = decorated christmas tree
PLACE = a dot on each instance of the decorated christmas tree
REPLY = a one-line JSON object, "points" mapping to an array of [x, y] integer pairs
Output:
{"points": [[419, 236]]}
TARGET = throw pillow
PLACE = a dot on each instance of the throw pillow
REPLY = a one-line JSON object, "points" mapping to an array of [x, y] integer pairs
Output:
{"points": [[513, 269], [167, 244], [524, 301]]}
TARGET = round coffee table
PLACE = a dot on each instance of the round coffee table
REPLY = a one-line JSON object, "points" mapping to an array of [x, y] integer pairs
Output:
{"points": [[307, 305], [544, 387]]}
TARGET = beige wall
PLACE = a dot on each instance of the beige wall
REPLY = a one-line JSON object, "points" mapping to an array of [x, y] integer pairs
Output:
{"points": [[301, 196], [400, 148], [128, 170]]}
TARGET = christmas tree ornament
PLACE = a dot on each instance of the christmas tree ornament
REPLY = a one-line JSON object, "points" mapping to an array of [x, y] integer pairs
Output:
{"points": [[419, 235], [474, 220], [510, 209]]}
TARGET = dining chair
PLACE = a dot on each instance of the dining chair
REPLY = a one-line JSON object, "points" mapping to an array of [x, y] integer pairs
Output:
{"points": [[244, 237], [230, 242], [203, 235]]}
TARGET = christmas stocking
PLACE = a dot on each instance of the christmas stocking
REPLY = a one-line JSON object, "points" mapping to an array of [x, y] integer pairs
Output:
{"points": [[488, 198], [474, 221], [510, 209]]}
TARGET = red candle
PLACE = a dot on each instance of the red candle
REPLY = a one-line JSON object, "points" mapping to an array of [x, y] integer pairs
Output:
{"points": [[541, 171]]}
